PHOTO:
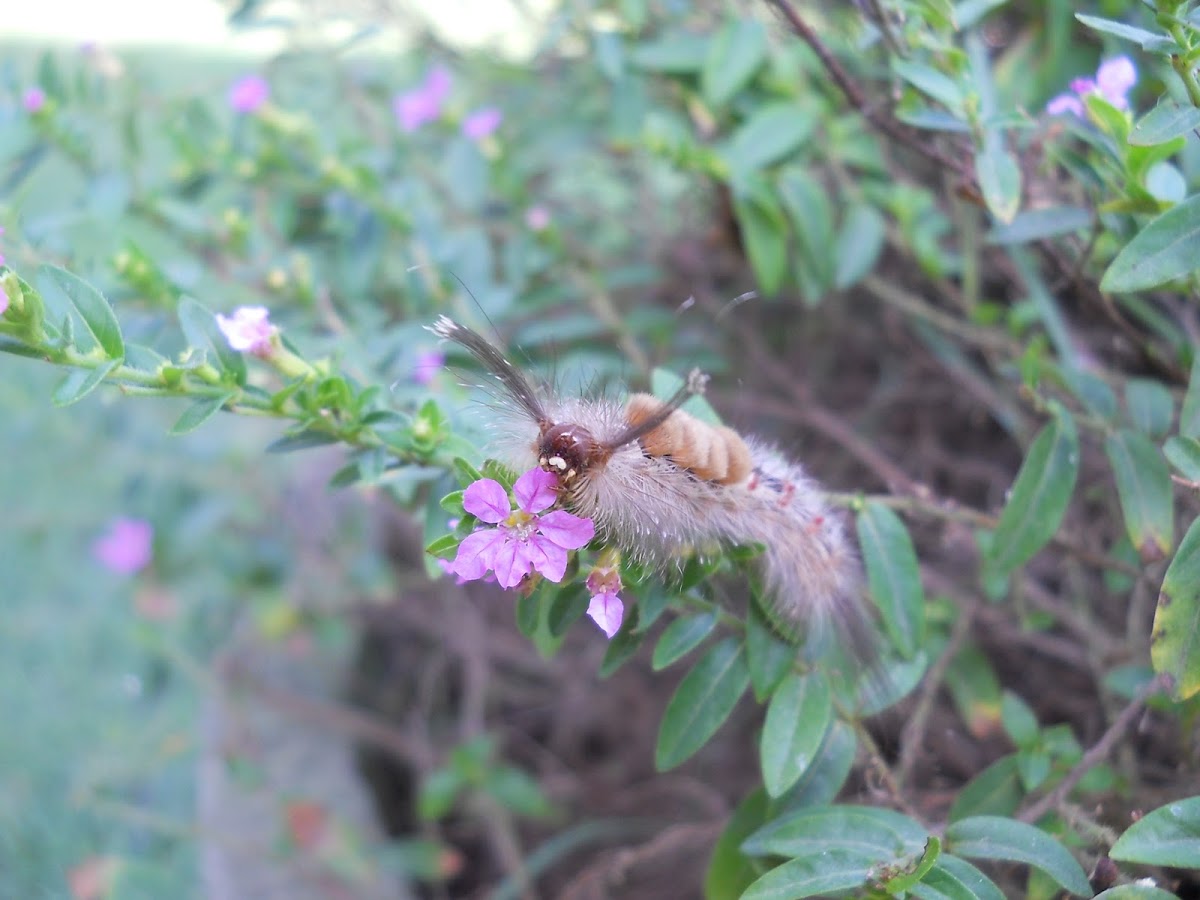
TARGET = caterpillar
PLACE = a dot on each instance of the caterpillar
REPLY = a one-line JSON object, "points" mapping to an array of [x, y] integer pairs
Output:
{"points": [[660, 484]]}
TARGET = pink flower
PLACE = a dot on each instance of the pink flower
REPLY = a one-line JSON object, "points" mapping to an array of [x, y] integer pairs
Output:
{"points": [[249, 93], [1114, 80], [522, 541], [33, 100], [428, 364], [126, 547], [423, 104], [482, 123], [3, 300], [606, 608], [537, 218], [248, 330]]}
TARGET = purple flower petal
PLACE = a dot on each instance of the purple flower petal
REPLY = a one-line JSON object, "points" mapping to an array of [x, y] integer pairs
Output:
{"points": [[565, 530], [248, 329], [3, 298], [1114, 79], [607, 611], [511, 562], [487, 501], [126, 547], [535, 490], [428, 364], [423, 104], [475, 554], [33, 99], [1066, 104], [547, 557], [482, 123], [249, 93]]}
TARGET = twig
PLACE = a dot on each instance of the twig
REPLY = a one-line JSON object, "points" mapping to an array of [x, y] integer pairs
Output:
{"points": [[1097, 753], [914, 731], [356, 724], [883, 123]]}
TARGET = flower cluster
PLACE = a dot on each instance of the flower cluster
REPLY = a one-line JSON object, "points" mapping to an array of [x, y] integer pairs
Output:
{"points": [[528, 539], [525, 539], [1114, 80]]}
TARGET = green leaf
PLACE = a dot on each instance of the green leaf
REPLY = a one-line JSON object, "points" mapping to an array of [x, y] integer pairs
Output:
{"points": [[883, 835], [1144, 487], [679, 53], [95, 312], [1150, 405], [995, 837], [768, 656], [893, 576], [1019, 720], [1165, 249], [773, 132], [442, 547], [681, 637], [729, 871], [859, 243], [932, 83], [737, 51], [1038, 224], [824, 779], [811, 876], [623, 645], [999, 177], [969, 12], [1189, 416], [1135, 892], [465, 473], [956, 879], [81, 382], [808, 207], [1175, 637], [200, 328], [766, 244], [1039, 497], [994, 791], [1184, 454], [567, 607], [302, 440], [702, 703], [1167, 836], [1148, 40], [904, 881], [200, 412], [798, 717]]}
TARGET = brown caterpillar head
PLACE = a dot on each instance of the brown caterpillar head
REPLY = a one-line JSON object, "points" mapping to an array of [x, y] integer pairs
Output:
{"points": [[567, 450]]}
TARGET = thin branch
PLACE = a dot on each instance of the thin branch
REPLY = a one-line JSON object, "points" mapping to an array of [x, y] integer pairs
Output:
{"points": [[1097, 753], [881, 122]]}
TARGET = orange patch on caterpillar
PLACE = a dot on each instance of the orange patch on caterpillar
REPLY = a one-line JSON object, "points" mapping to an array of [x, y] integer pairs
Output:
{"points": [[710, 452]]}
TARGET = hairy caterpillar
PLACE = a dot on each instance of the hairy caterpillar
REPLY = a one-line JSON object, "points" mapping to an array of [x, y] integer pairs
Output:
{"points": [[659, 484]]}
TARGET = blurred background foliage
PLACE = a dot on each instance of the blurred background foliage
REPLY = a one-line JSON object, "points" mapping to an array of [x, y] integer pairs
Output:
{"points": [[652, 161]]}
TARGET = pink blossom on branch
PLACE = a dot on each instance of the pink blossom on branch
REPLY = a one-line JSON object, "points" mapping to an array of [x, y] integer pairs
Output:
{"points": [[33, 100], [525, 539], [1114, 80], [126, 547], [249, 330], [423, 104], [606, 608], [428, 364], [249, 94], [482, 123]]}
